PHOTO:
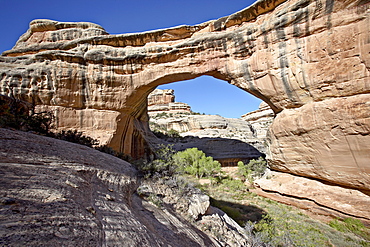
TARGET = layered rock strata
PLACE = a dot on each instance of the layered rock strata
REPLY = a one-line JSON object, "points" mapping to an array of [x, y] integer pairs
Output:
{"points": [[308, 60], [159, 96], [210, 126], [163, 101]]}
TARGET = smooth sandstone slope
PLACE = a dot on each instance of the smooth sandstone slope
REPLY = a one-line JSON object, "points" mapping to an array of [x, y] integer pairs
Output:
{"points": [[308, 60], [56, 193]]}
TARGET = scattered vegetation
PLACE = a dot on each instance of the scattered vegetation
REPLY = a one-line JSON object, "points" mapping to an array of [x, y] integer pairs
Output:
{"points": [[75, 137], [267, 222], [109, 150], [173, 134], [163, 165], [163, 115], [351, 225], [196, 113], [22, 116]]}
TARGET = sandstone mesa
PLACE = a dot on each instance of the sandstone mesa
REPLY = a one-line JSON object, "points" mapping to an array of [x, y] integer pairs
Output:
{"points": [[308, 60]]}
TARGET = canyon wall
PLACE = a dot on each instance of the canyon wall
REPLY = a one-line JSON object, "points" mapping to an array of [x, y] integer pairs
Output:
{"points": [[308, 60]]}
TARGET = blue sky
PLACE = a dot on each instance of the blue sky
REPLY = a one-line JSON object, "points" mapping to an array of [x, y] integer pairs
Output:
{"points": [[204, 94]]}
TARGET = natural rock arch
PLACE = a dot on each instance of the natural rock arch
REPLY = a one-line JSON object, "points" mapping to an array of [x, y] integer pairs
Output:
{"points": [[309, 60]]}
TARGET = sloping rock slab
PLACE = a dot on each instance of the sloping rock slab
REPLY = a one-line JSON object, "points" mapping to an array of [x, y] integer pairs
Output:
{"points": [[55, 193]]}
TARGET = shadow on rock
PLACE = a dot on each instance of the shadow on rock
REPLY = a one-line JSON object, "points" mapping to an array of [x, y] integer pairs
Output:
{"points": [[227, 151], [238, 212]]}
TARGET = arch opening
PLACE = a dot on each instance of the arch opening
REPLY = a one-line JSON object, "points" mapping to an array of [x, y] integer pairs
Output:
{"points": [[212, 96], [206, 113]]}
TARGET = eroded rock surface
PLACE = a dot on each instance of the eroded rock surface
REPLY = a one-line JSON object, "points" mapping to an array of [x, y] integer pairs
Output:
{"points": [[55, 193], [260, 120], [308, 60], [192, 203]]}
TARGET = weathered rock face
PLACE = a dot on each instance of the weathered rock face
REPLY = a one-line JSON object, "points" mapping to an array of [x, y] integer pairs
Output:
{"points": [[160, 101], [159, 96], [308, 60], [260, 120], [55, 193], [227, 140]]}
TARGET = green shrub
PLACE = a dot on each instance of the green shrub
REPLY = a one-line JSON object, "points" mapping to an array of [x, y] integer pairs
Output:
{"points": [[40, 122], [254, 169], [194, 162], [173, 133], [232, 185]]}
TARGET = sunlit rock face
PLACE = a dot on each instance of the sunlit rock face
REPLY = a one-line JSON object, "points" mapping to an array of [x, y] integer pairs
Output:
{"points": [[308, 60], [163, 101]]}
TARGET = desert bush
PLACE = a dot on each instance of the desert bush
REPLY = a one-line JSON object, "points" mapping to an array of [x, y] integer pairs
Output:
{"points": [[76, 137], [21, 115], [173, 133], [40, 122], [232, 185], [194, 162], [168, 162], [254, 169], [163, 164]]}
